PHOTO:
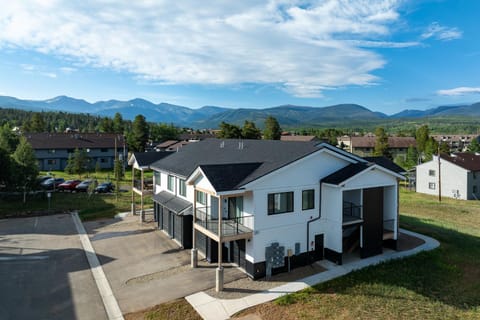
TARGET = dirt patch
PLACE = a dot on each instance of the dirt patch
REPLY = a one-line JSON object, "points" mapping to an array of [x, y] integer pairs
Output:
{"points": [[246, 286]]}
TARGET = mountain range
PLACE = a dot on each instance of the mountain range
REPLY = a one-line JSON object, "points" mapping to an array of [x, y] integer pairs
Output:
{"points": [[211, 116]]}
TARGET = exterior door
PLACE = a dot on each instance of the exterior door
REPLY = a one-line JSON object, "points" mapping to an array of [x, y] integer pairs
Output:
{"points": [[238, 253], [372, 222], [319, 246]]}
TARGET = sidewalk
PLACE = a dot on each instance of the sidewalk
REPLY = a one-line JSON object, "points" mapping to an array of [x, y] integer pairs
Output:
{"points": [[211, 308]]}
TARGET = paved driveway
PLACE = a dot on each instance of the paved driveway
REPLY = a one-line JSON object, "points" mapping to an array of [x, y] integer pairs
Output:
{"points": [[44, 273], [148, 268]]}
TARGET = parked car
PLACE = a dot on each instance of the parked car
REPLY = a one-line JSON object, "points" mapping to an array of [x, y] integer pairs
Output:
{"points": [[105, 187], [83, 186], [68, 185], [52, 183]]}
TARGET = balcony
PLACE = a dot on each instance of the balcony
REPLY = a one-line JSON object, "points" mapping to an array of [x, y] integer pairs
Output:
{"points": [[231, 229], [147, 186], [352, 214]]}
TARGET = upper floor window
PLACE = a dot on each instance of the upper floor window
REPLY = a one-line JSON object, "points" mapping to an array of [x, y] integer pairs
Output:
{"points": [[182, 188], [201, 197], [280, 202], [308, 199], [51, 150], [156, 177], [431, 173], [104, 150], [171, 183]]}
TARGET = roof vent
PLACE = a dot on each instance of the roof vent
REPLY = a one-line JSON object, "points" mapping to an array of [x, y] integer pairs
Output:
{"points": [[222, 144], [240, 145]]}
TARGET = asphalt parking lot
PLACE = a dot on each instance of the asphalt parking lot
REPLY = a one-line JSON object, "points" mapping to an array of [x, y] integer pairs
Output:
{"points": [[44, 273], [147, 267]]}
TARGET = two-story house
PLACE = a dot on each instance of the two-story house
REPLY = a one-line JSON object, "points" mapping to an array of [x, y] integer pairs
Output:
{"points": [[454, 176], [265, 204], [52, 150]]}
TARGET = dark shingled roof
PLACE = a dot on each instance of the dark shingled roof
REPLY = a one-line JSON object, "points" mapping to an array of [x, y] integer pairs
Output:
{"points": [[343, 174], [386, 163], [468, 161], [144, 159], [173, 203], [225, 177], [269, 154], [73, 140]]}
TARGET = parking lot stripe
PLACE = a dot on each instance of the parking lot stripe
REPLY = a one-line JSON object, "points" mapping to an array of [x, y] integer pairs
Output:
{"points": [[109, 301]]}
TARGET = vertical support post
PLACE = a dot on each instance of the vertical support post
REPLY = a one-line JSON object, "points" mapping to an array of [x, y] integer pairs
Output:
{"points": [[194, 256], [219, 273], [133, 192], [142, 211], [439, 178]]}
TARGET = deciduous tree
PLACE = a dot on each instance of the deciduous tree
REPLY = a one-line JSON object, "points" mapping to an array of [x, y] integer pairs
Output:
{"points": [[272, 129]]}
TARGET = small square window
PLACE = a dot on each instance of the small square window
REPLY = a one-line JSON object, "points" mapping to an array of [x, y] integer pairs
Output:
{"points": [[201, 197], [308, 199], [431, 185], [431, 173]]}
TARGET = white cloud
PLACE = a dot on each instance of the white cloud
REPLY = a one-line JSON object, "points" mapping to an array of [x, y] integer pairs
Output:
{"points": [[68, 70], [460, 91], [443, 33], [303, 47]]}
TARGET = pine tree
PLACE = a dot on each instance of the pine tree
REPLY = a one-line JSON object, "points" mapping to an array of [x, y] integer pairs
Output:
{"points": [[381, 143], [118, 123], [474, 146], [138, 138]]}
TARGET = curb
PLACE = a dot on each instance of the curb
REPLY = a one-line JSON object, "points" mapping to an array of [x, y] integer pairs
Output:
{"points": [[109, 301]]}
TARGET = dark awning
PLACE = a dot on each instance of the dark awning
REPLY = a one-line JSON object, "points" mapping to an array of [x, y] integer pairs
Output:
{"points": [[173, 203]]}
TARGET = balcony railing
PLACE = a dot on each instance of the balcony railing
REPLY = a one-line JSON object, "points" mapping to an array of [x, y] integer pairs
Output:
{"points": [[352, 213], [229, 227], [147, 185]]}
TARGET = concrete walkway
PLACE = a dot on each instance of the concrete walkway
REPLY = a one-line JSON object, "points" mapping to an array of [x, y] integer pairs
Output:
{"points": [[211, 308]]}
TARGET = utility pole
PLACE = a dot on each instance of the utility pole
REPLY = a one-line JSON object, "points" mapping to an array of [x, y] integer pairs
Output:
{"points": [[439, 177]]}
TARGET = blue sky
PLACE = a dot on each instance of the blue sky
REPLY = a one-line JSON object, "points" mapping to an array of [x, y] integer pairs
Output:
{"points": [[385, 55]]}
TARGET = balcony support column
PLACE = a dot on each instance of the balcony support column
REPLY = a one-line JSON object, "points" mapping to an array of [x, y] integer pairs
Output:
{"points": [[219, 271], [194, 252], [133, 192], [142, 210]]}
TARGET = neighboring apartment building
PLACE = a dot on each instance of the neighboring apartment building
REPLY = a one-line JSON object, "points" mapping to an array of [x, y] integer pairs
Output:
{"points": [[456, 142], [365, 145], [259, 203], [53, 149], [459, 176]]}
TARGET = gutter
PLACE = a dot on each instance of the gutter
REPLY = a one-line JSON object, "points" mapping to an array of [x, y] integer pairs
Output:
{"points": [[315, 219]]}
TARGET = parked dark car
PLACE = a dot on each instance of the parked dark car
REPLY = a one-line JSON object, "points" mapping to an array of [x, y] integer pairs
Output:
{"points": [[83, 186], [52, 183], [105, 187], [68, 185]]}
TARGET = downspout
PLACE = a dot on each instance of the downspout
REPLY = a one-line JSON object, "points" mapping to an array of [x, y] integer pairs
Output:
{"points": [[315, 219]]}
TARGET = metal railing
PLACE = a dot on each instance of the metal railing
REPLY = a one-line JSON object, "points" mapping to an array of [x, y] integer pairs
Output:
{"points": [[352, 210], [147, 185], [229, 226]]}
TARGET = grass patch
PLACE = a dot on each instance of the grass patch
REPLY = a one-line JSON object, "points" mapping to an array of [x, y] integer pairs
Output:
{"points": [[440, 284], [175, 310]]}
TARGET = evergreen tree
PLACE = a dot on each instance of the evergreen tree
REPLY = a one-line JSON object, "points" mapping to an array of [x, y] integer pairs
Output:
{"points": [[250, 131], [163, 132], [431, 148], [79, 162], [106, 125], [422, 136], [8, 139], [412, 157], [138, 137], [272, 129], [7, 176], [381, 143], [118, 123], [69, 167], [35, 124]]}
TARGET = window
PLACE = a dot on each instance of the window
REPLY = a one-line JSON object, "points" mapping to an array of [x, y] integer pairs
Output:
{"points": [[103, 160], [182, 188], [474, 175], [170, 182], [431, 185], [431, 173], [52, 161], [70, 150], [308, 199], [51, 150], [280, 202], [103, 150], [156, 176], [201, 197]]}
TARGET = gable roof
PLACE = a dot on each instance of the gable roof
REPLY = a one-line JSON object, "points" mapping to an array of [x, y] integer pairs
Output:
{"points": [[145, 159], [393, 142], [224, 177], [465, 160], [74, 140], [271, 154], [298, 138], [345, 173], [386, 163]]}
